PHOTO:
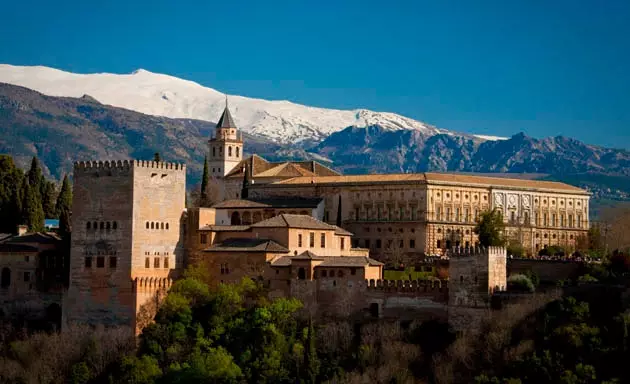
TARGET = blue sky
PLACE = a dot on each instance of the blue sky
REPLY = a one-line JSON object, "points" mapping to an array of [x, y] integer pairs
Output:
{"points": [[491, 67]]}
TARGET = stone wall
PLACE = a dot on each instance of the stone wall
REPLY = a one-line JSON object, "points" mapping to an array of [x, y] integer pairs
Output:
{"points": [[548, 271]]}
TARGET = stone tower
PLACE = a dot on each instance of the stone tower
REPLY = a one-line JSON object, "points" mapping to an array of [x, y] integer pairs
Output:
{"points": [[226, 147], [474, 275], [127, 241]]}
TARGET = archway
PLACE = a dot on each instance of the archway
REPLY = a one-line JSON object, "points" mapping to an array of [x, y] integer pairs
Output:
{"points": [[257, 217], [301, 274], [235, 219], [5, 280]]}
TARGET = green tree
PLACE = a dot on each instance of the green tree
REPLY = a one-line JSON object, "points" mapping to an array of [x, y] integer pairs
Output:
{"points": [[490, 229], [32, 212], [63, 206], [246, 182], [142, 370], [80, 373], [311, 363], [156, 157], [10, 195], [49, 196], [34, 174], [204, 182]]}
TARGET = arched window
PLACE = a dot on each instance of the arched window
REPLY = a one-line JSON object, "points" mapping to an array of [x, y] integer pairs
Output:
{"points": [[214, 151], [235, 219], [147, 225], [161, 225], [229, 151], [108, 225], [166, 225], [238, 151], [5, 280], [152, 225], [102, 225], [88, 226], [115, 225], [301, 274], [95, 225]]}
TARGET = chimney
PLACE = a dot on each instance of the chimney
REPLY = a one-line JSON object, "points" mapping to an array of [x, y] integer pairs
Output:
{"points": [[22, 230]]}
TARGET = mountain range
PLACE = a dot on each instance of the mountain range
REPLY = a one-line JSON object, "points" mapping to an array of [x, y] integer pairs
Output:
{"points": [[107, 116]]}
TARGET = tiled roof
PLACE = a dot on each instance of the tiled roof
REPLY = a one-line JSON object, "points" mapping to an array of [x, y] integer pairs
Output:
{"points": [[434, 178], [37, 237], [306, 255], [329, 261], [247, 245], [225, 228], [288, 202], [16, 248], [285, 170], [226, 120], [293, 221], [341, 231], [263, 168]]}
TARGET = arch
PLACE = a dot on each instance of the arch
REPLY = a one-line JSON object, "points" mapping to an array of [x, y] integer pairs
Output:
{"points": [[301, 274], [235, 218], [238, 151], [230, 150], [114, 225], [161, 225], [88, 226], [147, 225], [256, 217], [5, 278], [166, 225], [108, 225], [102, 225], [95, 225], [247, 218], [152, 225]]}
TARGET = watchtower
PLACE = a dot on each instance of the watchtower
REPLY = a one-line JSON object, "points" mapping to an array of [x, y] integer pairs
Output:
{"points": [[226, 147]]}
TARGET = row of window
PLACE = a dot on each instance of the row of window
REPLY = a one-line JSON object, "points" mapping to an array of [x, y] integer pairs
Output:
{"points": [[237, 151], [378, 243], [5, 278], [100, 262], [311, 240], [156, 262], [155, 254], [392, 214], [102, 225], [401, 230], [466, 218], [155, 225]]}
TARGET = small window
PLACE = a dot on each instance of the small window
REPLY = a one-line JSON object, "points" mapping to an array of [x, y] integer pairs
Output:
{"points": [[161, 225], [367, 243], [343, 243], [100, 262], [439, 244], [147, 225], [113, 262], [152, 225], [324, 273], [88, 262], [114, 225], [379, 243], [156, 262], [166, 262], [27, 258], [108, 226], [27, 276], [102, 225], [299, 240], [461, 279], [147, 263], [412, 243], [167, 226], [312, 240], [323, 240], [88, 226], [238, 151]]}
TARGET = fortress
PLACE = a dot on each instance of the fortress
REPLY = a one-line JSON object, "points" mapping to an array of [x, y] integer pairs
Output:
{"points": [[301, 228]]}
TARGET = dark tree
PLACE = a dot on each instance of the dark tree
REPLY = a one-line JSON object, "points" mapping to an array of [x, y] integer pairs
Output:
{"points": [[204, 181], [338, 223], [49, 197], [245, 188], [490, 228], [156, 156], [63, 206], [32, 212], [34, 174], [311, 363], [11, 178]]}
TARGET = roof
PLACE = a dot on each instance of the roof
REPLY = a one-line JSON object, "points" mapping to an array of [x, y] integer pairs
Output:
{"points": [[4, 236], [287, 170], [329, 261], [37, 237], [226, 120], [247, 245], [435, 178], [16, 248], [294, 221], [341, 231], [306, 255], [288, 202], [225, 228], [259, 167]]}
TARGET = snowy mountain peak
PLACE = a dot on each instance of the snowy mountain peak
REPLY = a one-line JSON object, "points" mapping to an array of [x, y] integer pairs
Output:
{"points": [[164, 95]]}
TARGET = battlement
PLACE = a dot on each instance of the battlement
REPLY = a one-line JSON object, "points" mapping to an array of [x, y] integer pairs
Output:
{"points": [[88, 166], [151, 283], [407, 285], [476, 251]]}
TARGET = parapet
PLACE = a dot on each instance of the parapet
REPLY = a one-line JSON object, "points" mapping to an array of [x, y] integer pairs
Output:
{"points": [[125, 165], [476, 251], [407, 285], [151, 283]]}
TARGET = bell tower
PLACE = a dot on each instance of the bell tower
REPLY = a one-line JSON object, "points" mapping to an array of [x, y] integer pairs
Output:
{"points": [[226, 147]]}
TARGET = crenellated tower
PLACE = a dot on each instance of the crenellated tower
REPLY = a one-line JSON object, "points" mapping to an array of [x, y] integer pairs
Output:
{"points": [[226, 147]]}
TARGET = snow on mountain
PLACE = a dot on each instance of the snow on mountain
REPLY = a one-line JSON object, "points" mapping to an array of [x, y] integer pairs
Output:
{"points": [[163, 95]]}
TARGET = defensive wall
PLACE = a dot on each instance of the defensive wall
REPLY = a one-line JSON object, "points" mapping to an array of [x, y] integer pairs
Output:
{"points": [[548, 271]]}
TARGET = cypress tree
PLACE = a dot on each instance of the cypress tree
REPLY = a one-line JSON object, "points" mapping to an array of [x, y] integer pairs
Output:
{"points": [[32, 212], [245, 188], [63, 206], [156, 156], [338, 223], [311, 362], [48, 199], [204, 181], [64, 223], [35, 176], [11, 178]]}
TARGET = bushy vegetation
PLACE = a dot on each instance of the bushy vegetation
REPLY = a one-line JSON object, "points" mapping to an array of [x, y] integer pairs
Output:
{"points": [[520, 283]]}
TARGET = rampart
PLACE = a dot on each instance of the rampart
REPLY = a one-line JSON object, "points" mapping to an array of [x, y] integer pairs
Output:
{"points": [[89, 166], [548, 271]]}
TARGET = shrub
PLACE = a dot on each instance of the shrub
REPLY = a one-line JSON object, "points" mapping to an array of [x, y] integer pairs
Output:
{"points": [[520, 283]]}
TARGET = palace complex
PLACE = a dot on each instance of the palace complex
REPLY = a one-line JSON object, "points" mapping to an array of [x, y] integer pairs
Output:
{"points": [[300, 228]]}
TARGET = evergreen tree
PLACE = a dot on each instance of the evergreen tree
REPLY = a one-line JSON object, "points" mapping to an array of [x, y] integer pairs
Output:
{"points": [[204, 182], [35, 175], [48, 199], [245, 188], [32, 212], [311, 363], [63, 206], [156, 157], [64, 223], [490, 228], [339, 212], [10, 194]]}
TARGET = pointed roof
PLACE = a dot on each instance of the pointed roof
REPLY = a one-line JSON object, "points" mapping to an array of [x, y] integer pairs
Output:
{"points": [[226, 120]]}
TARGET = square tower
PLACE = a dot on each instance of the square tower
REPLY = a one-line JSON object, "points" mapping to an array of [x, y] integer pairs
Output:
{"points": [[226, 148], [127, 240]]}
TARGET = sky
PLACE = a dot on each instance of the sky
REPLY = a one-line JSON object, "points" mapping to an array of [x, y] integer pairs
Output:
{"points": [[500, 67]]}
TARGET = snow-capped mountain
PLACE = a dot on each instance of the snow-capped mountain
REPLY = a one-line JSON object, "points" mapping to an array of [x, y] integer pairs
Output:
{"points": [[162, 95]]}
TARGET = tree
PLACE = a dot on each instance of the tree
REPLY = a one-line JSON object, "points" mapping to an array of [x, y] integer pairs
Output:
{"points": [[34, 174], [245, 189], [204, 182], [156, 157], [64, 198], [48, 199], [10, 195], [338, 223], [490, 229], [32, 212], [311, 363]]}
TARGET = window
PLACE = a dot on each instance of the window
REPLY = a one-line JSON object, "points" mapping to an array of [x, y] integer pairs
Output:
{"points": [[553, 220], [113, 262], [166, 226], [301, 274], [562, 220], [353, 271], [322, 240], [579, 221], [102, 225], [457, 216], [114, 225], [332, 273], [88, 226], [156, 262], [545, 220], [108, 226], [438, 213], [152, 225], [225, 269], [161, 225], [214, 151], [513, 217], [412, 243], [448, 214], [147, 225], [238, 151], [467, 215], [27, 276], [300, 240], [390, 243], [166, 262], [204, 238], [343, 243], [439, 244], [526, 218], [27, 258], [5, 279], [378, 243], [229, 151], [312, 240], [100, 262], [88, 262], [324, 273], [367, 243], [570, 221], [340, 273], [147, 263]]}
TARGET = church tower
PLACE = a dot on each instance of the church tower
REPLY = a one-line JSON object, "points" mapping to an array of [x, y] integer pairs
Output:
{"points": [[226, 147]]}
